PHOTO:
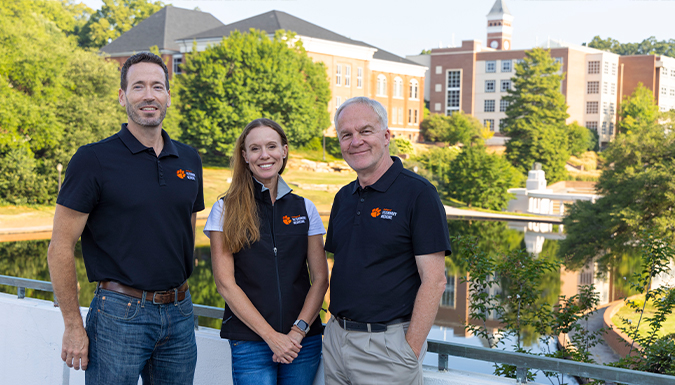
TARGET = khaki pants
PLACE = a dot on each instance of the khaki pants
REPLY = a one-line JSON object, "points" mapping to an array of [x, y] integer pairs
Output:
{"points": [[362, 358]]}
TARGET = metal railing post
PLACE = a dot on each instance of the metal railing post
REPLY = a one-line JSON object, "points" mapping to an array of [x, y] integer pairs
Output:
{"points": [[196, 320], [442, 362], [521, 375], [21, 292]]}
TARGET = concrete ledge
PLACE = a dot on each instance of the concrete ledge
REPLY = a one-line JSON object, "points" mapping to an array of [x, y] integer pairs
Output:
{"points": [[31, 331], [615, 338]]}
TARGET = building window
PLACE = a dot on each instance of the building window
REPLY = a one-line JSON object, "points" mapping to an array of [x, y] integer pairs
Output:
{"points": [[437, 106], [359, 77], [606, 66], [664, 70], [489, 124], [398, 87], [381, 86], [592, 87], [489, 106], [439, 70], [338, 102], [507, 65], [591, 107], [410, 116], [503, 105], [604, 88], [417, 119], [611, 108], [489, 86], [604, 128], [393, 116], [613, 88], [559, 60], [338, 75], [400, 116], [592, 126], [348, 76], [613, 68], [491, 66], [672, 72], [593, 67], [505, 85], [414, 89], [611, 128], [453, 92], [448, 298], [663, 90], [499, 125], [604, 108], [438, 87], [177, 61]]}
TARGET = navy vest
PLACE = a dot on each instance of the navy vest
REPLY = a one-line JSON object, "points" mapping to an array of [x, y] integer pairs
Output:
{"points": [[273, 272]]}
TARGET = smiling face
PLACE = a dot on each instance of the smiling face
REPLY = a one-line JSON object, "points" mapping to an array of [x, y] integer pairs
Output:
{"points": [[264, 152], [146, 97], [364, 144]]}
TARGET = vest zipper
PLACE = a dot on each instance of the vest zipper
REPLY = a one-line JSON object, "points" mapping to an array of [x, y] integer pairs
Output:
{"points": [[276, 266]]}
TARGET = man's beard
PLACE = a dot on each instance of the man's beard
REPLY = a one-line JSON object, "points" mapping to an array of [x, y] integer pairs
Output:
{"points": [[134, 115]]}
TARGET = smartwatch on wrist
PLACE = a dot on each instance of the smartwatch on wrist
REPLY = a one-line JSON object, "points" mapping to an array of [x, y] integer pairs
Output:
{"points": [[302, 325]]}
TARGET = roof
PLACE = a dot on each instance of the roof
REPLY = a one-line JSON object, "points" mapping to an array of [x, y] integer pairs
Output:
{"points": [[162, 29], [499, 8], [275, 20]]}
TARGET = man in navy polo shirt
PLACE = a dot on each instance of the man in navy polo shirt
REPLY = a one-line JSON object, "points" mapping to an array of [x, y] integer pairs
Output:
{"points": [[389, 235], [133, 198]]}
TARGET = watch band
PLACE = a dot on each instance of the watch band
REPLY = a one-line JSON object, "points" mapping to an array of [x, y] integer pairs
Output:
{"points": [[302, 325]]}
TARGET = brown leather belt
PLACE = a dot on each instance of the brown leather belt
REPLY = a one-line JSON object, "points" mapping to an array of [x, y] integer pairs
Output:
{"points": [[156, 297]]}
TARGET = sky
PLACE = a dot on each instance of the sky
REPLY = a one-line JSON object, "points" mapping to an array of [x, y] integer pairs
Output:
{"points": [[405, 27]]}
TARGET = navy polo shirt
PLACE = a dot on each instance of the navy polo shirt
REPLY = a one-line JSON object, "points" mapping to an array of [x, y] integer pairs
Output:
{"points": [[374, 234], [139, 230]]}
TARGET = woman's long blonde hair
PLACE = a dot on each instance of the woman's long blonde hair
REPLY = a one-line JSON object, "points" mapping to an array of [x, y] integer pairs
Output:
{"points": [[241, 226]]}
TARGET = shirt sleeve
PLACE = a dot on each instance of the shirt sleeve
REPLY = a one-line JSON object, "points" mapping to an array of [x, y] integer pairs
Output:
{"points": [[429, 224], [199, 201], [215, 220], [81, 188], [315, 223]]}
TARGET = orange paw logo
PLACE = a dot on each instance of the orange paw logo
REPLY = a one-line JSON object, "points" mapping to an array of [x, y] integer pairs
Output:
{"points": [[287, 220], [376, 212], [180, 173]]}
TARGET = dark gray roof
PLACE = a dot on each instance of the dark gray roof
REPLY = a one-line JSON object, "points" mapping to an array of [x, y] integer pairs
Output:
{"points": [[162, 29], [275, 20], [499, 8]]}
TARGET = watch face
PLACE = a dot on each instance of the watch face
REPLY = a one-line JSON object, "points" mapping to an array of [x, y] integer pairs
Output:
{"points": [[506, 44], [494, 44]]}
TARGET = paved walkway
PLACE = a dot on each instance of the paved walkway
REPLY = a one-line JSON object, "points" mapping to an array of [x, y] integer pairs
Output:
{"points": [[602, 353]]}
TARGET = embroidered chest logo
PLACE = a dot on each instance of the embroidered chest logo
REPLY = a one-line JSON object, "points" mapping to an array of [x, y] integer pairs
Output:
{"points": [[383, 213], [296, 220], [182, 174]]}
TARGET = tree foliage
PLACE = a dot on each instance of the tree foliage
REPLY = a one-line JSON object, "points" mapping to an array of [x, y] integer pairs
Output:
{"points": [[580, 139], [457, 128], [535, 117], [637, 195], [113, 19], [637, 110], [54, 97], [649, 46], [249, 76]]}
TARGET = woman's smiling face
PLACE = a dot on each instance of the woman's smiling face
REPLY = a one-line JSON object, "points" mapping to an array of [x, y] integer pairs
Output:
{"points": [[264, 153]]}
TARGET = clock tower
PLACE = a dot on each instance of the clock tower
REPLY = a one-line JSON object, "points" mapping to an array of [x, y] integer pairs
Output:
{"points": [[499, 26]]}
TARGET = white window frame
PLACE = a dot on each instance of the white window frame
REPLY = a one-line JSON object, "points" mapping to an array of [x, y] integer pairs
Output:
{"points": [[491, 66], [504, 85], [453, 89], [503, 105], [338, 75], [489, 105], [338, 102], [176, 62], [398, 88], [414, 89], [507, 65], [490, 85], [348, 76], [359, 77], [381, 89]]}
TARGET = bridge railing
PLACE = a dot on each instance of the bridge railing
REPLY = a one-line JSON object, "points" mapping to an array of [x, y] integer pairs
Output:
{"points": [[523, 362]]}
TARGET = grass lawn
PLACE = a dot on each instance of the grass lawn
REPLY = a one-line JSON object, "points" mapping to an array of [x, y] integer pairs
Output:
{"points": [[626, 313]]}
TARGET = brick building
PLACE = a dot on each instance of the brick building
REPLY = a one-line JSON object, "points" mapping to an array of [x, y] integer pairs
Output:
{"points": [[474, 78], [354, 68]]}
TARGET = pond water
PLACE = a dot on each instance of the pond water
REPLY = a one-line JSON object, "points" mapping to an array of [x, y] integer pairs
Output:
{"points": [[28, 259]]}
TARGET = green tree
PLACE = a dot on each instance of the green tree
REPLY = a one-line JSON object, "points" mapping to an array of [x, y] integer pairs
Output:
{"points": [[113, 19], [580, 139], [245, 77], [480, 179], [637, 110], [535, 117], [457, 128], [54, 97], [648, 46]]}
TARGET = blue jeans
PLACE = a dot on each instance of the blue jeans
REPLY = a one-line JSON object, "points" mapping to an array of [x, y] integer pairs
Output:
{"points": [[129, 337], [252, 364]]}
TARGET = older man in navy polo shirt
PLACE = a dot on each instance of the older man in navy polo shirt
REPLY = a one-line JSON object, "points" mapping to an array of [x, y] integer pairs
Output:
{"points": [[389, 235], [133, 198]]}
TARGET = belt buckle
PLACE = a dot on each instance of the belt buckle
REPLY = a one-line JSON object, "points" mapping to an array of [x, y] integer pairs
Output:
{"points": [[154, 302]]}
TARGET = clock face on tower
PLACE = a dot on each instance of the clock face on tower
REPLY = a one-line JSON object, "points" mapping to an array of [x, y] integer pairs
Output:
{"points": [[494, 44], [506, 44]]}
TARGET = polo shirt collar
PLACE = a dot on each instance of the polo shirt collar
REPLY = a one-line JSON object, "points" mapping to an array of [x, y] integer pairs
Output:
{"points": [[386, 179], [282, 187], [135, 146]]}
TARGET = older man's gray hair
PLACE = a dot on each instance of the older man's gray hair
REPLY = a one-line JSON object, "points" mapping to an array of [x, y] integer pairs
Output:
{"points": [[378, 108]]}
